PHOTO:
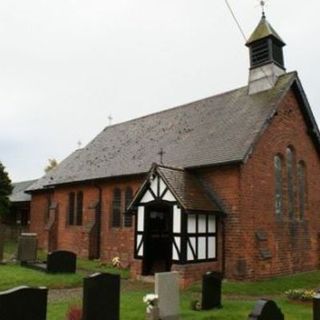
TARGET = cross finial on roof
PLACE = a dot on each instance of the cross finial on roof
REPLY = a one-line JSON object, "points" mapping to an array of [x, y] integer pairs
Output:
{"points": [[110, 119], [161, 153], [79, 144]]}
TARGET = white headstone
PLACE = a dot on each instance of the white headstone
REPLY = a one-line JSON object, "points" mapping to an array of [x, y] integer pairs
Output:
{"points": [[167, 289]]}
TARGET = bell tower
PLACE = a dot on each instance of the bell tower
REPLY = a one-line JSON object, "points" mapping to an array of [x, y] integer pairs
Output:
{"points": [[266, 57]]}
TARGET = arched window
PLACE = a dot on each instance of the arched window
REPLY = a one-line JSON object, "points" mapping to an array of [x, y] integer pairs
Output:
{"points": [[302, 185], [79, 208], [75, 208], [278, 185], [128, 199], [71, 208], [290, 181], [116, 208]]}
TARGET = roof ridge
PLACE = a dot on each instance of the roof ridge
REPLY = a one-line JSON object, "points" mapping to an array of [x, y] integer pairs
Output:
{"points": [[173, 108]]}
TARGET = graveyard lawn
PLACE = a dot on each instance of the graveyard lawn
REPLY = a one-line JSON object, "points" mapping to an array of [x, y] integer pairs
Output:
{"points": [[133, 308], [12, 275], [238, 299]]}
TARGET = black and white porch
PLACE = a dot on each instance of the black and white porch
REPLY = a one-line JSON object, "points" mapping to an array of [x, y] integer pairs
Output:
{"points": [[176, 221]]}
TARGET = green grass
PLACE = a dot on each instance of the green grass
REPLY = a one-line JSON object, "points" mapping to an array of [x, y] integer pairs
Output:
{"points": [[270, 287], [276, 286], [238, 297], [97, 266], [132, 308], [14, 275]]}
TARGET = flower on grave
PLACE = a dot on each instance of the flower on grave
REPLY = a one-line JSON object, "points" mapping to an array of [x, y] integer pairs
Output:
{"points": [[196, 305], [74, 313], [116, 262], [151, 300], [301, 294]]}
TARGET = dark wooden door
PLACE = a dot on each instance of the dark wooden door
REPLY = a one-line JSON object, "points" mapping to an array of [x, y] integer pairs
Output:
{"points": [[158, 239]]}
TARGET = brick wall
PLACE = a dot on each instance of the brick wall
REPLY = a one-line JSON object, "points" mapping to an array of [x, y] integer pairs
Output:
{"points": [[291, 245], [114, 241], [248, 193], [38, 217]]}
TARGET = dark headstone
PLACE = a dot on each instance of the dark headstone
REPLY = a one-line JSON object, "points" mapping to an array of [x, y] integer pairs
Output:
{"points": [[101, 297], [316, 307], [27, 247], [23, 303], [266, 310], [211, 290], [61, 262]]}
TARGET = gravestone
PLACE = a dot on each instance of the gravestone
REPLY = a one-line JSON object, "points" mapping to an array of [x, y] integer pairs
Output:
{"points": [[316, 307], [266, 310], [101, 297], [27, 247], [211, 290], [23, 303], [1, 242], [61, 262], [167, 290]]}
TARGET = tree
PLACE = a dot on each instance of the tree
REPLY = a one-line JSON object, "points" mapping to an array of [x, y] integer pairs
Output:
{"points": [[52, 164], [5, 191]]}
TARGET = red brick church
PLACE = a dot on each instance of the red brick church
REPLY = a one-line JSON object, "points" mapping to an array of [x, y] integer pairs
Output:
{"points": [[229, 183]]}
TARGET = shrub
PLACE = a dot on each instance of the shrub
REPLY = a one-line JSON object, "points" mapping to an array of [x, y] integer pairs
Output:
{"points": [[300, 294]]}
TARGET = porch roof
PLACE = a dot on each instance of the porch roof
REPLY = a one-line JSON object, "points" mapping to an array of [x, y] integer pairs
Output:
{"points": [[186, 188]]}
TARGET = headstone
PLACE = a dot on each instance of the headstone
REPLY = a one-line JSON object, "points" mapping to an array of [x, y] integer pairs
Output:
{"points": [[61, 262], [316, 307], [1, 243], [167, 289], [266, 310], [27, 247], [23, 303], [211, 290], [101, 297]]}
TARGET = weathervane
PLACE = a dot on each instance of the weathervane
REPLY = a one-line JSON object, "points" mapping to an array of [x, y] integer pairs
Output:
{"points": [[263, 5]]}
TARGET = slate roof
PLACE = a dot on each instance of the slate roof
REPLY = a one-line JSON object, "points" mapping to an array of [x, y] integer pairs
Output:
{"points": [[217, 130], [18, 194], [184, 185], [187, 190]]}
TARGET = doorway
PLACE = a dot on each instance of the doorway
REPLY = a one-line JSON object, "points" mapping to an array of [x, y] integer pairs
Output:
{"points": [[158, 239]]}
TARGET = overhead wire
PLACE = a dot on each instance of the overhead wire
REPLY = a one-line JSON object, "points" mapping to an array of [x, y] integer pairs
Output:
{"points": [[243, 33], [236, 20]]}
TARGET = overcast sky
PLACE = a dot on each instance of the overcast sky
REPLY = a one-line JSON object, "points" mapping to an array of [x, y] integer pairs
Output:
{"points": [[66, 65]]}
